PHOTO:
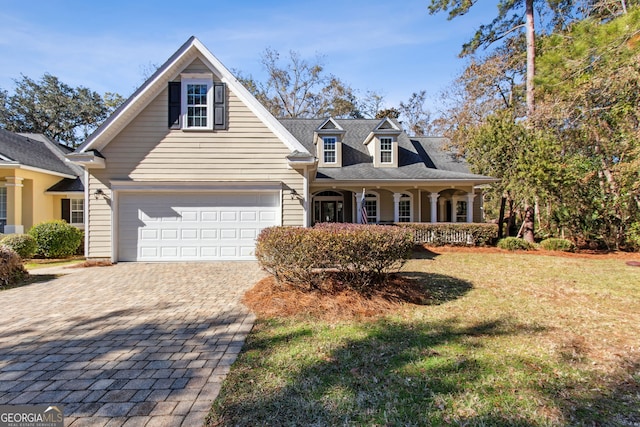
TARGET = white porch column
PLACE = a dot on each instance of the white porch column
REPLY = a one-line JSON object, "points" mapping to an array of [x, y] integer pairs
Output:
{"points": [[434, 206], [14, 205], [470, 197], [396, 206], [358, 208], [454, 209], [442, 206]]}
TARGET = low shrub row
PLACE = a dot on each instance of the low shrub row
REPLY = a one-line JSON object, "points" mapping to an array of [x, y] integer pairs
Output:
{"points": [[357, 255], [51, 239], [551, 244], [453, 234]]}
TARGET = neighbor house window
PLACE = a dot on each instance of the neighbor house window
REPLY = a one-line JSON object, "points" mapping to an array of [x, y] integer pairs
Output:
{"points": [[77, 211], [197, 103], [404, 208], [386, 150], [3, 208], [329, 149]]}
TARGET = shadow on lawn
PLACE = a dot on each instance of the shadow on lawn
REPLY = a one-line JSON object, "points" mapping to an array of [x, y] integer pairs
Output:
{"points": [[420, 373], [396, 374], [440, 288]]}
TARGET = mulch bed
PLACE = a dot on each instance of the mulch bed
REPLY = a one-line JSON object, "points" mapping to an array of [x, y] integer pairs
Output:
{"points": [[268, 299]]}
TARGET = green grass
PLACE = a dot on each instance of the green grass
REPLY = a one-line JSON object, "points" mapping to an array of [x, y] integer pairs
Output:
{"points": [[37, 264], [510, 340]]}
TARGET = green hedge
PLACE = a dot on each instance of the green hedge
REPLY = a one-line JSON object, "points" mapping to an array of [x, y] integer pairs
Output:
{"points": [[23, 244], [11, 269], [56, 239], [515, 244], [557, 244], [357, 255], [453, 234]]}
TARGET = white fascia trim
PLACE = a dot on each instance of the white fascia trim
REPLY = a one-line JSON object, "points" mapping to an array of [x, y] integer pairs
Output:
{"points": [[337, 130], [34, 169], [86, 213], [250, 101], [387, 120], [87, 160], [195, 186], [6, 159]]}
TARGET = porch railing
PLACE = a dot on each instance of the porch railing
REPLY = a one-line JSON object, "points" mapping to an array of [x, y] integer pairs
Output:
{"points": [[454, 234]]}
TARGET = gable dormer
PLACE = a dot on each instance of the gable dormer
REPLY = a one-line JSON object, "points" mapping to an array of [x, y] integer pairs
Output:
{"points": [[382, 144], [328, 141]]}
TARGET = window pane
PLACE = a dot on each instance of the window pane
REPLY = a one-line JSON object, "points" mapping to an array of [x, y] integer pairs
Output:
{"points": [[386, 149], [405, 210], [3, 203], [197, 105], [329, 149]]}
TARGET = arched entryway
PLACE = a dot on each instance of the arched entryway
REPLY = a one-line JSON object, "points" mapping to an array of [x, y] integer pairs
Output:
{"points": [[328, 206]]}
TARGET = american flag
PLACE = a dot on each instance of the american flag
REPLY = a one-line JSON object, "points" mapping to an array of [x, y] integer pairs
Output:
{"points": [[363, 208]]}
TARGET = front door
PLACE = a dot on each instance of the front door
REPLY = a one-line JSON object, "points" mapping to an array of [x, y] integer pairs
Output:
{"points": [[328, 211]]}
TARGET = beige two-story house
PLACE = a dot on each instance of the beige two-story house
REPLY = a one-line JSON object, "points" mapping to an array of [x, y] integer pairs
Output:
{"points": [[192, 167]]}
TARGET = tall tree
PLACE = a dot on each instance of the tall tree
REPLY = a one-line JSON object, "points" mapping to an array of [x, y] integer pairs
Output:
{"points": [[53, 108], [301, 88], [416, 118], [513, 15]]}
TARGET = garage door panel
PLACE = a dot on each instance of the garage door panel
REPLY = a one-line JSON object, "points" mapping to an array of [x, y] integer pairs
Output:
{"points": [[193, 226]]}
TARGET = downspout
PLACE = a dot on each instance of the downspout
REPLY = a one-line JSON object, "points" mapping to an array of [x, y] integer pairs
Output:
{"points": [[86, 212], [305, 195]]}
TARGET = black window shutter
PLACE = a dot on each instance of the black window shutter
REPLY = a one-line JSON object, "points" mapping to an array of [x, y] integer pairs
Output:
{"points": [[219, 106], [174, 105], [66, 210]]}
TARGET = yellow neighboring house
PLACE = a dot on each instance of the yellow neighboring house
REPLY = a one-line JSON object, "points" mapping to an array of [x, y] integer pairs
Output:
{"points": [[37, 183]]}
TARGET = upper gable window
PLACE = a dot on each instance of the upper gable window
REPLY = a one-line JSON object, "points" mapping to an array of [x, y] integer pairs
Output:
{"points": [[386, 150], [329, 149], [197, 97], [198, 103]]}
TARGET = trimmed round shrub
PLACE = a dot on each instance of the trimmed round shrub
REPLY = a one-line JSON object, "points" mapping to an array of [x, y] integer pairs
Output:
{"points": [[357, 255], [11, 269], [23, 244], [556, 244], [515, 244], [56, 239]]}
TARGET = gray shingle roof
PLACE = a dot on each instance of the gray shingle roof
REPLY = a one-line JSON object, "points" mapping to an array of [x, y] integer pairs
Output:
{"points": [[67, 185], [36, 152], [418, 158]]}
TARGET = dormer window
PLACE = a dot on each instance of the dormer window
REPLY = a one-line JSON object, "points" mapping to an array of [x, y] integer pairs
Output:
{"points": [[328, 140], [386, 150], [329, 149]]}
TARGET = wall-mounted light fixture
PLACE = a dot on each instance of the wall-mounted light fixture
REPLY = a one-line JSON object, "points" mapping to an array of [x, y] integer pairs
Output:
{"points": [[98, 193], [294, 194]]}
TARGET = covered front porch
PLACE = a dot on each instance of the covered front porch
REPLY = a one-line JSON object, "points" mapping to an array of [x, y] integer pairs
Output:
{"points": [[387, 204]]}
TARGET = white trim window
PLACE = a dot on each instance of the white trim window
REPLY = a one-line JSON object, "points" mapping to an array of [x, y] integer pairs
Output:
{"points": [[404, 208], [329, 149], [197, 108], [386, 150], [77, 211]]}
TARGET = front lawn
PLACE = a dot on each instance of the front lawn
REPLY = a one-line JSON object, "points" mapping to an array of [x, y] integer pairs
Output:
{"points": [[506, 339]]}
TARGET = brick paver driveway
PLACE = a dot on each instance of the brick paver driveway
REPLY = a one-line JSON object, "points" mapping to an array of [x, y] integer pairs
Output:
{"points": [[131, 344]]}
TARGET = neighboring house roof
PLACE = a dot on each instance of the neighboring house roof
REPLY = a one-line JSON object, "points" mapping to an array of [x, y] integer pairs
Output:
{"points": [[150, 89], [418, 158], [35, 152], [67, 185]]}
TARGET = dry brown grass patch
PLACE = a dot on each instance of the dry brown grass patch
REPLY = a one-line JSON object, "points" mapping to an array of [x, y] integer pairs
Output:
{"points": [[334, 302]]}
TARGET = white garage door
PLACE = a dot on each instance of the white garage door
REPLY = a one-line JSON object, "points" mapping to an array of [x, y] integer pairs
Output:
{"points": [[193, 226]]}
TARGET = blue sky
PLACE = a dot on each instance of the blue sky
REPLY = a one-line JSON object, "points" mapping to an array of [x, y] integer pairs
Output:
{"points": [[393, 48]]}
